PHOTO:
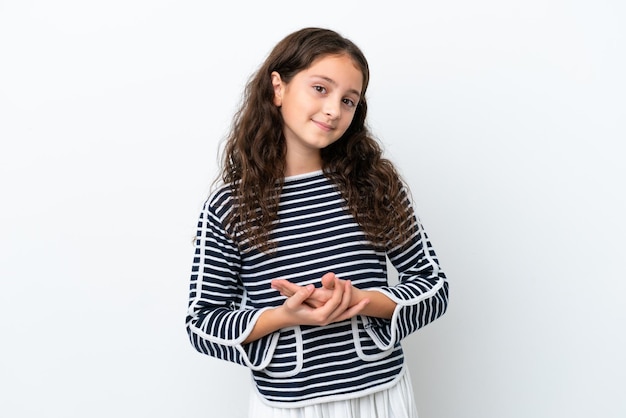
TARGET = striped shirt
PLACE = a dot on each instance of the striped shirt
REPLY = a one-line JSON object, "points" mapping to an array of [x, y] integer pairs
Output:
{"points": [[314, 234]]}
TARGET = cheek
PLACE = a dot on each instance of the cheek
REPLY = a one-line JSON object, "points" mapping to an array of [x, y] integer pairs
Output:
{"points": [[347, 121], [290, 114], [291, 107]]}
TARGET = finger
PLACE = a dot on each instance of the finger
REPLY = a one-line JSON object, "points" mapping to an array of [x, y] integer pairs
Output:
{"points": [[346, 296], [343, 310], [301, 295], [340, 299], [285, 287], [278, 284], [353, 311], [337, 294], [328, 280], [325, 313], [313, 303], [350, 311]]}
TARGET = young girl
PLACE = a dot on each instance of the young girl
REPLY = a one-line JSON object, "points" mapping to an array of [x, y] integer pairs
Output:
{"points": [[289, 276]]}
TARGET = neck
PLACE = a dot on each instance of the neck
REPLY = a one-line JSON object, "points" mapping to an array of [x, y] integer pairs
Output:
{"points": [[302, 164], [301, 170]]}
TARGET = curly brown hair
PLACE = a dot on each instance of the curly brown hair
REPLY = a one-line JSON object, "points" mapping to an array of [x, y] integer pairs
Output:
{"points": [[253, 158]]}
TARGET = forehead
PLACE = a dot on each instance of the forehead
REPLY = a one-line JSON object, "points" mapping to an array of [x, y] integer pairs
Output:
{"points": [[340, 69]]}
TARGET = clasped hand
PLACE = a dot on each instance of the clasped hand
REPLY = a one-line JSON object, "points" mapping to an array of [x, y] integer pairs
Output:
{"points": [[336, 300]]}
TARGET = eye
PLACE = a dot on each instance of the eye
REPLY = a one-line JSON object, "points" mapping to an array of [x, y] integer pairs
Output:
{"points": [[320, 89], [349, 102]]}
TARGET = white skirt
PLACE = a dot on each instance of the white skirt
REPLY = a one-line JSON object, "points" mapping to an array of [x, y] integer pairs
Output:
{"points": [[396, 402]]}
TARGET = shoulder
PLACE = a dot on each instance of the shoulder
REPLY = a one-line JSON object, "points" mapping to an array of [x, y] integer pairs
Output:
{"points": [[219, 200]]}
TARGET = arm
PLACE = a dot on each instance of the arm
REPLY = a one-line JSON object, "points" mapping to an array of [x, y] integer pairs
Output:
{"points": [[421, 294], [395, 311], [380, 306], [216, 323]]}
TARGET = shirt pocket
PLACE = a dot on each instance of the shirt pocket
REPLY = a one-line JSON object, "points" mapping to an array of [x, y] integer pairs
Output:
{"points": [[288, 356], [365, 331]]}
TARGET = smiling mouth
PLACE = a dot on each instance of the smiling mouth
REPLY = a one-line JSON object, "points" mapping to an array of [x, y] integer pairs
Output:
{"points": [[323, 126]]}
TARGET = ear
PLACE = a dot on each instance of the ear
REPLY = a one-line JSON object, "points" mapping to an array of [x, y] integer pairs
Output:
{"points": [[277, 83]]}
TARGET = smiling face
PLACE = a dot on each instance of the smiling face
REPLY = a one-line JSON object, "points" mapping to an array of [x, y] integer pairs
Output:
{"points": [[317, 106]]}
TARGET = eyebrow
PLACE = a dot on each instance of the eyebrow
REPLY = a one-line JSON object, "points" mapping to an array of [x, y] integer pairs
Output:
{"points": [[334, 83]]}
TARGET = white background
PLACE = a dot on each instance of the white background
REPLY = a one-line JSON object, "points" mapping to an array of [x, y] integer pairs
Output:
{"points": [[506, 117]]}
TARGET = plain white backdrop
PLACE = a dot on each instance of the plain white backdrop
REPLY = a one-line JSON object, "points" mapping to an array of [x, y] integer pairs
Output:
{"points": [[506, 117]]}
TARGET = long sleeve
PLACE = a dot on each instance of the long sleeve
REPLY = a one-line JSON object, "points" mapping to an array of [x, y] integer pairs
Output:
{"points": [[421, 294], [314, 234], [217, 319]]}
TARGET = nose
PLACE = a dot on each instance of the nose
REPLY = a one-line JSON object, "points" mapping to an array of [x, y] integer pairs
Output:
{"points": [[332, 108]]}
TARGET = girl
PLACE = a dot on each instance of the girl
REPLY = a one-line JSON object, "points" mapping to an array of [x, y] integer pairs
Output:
{"points": [[289, 276]]}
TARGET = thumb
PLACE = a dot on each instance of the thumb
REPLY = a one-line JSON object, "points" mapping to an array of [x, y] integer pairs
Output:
{"points": [[302, 294], [328, 281]]}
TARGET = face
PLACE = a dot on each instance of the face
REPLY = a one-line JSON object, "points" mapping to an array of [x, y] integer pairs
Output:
{"points": [[318, 104]]}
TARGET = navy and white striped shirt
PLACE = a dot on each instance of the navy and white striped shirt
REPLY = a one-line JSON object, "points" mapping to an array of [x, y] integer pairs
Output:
{"points": [[314, 234]]}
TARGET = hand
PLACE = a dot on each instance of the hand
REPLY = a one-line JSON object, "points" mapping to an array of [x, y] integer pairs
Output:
{"points": [[306, 305], [321, 294]]}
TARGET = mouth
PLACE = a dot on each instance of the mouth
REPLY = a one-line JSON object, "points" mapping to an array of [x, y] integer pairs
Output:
{"points": [[323, 126]]}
